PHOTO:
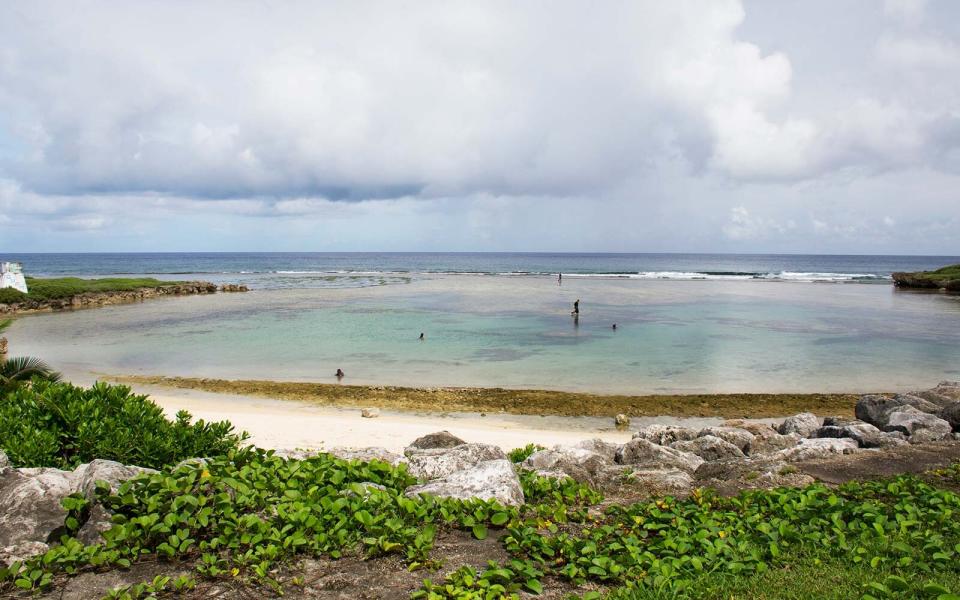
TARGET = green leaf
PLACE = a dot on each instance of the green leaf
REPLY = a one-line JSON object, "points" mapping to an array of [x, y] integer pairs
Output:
{"points": [[480, 532], [534, 586]]}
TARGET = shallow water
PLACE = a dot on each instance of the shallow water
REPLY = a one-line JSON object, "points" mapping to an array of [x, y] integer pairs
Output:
{"points": [[672, 336]]}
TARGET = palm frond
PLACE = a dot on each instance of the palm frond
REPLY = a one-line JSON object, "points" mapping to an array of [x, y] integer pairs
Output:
{"points": [[24, 368]]}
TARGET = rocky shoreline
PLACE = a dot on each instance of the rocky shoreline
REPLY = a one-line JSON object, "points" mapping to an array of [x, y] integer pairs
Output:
{"points": [[914, 432], [98, 299], [947, 279]]}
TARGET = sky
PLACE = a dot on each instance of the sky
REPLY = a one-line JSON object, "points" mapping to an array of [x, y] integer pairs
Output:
{"points": [[810, 126]]}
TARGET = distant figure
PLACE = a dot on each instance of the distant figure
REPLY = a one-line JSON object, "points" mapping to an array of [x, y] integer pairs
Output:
{"points": [[339, 374], [614, 326], [559, 278], [576, 307], [421, 336]]}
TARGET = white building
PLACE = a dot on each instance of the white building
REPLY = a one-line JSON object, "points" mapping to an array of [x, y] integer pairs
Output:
{"points": [[11, 276]]}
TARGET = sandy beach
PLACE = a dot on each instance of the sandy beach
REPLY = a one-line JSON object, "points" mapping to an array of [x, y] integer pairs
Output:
{"points": [[289, 424]]}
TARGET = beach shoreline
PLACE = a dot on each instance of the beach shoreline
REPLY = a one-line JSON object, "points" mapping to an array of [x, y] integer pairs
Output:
{"points": [[517, 402]]}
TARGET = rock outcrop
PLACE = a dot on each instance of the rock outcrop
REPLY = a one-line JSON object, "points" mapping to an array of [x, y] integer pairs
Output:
{"points": [[96, 299], [489, 480]]}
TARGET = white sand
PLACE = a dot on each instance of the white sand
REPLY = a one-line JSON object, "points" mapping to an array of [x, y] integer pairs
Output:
{"points": [[289, 424]]}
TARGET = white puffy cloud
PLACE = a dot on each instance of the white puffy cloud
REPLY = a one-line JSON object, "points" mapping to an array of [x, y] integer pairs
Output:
{"points": [[474, 125]]}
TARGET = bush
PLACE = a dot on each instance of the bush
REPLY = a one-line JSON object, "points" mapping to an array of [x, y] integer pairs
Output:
{"points": [[12, 296], [65, 287], [62, 425]]}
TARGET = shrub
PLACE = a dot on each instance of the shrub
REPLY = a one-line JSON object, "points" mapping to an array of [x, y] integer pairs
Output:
{"points": [[65, 287], [518, 455], [11, 296], [62, 425]]}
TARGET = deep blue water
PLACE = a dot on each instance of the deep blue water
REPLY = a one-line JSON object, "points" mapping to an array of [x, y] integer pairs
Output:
{"points": [[281, 270]]}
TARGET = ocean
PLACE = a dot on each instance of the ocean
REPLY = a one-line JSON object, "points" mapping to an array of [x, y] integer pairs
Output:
{"points": [[685, 323]]}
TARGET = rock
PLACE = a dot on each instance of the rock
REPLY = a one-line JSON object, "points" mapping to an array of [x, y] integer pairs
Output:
{"points": [[758, 429], [440, 462], [917, 402], [108, 471], [865, 434], [621, 420], [366, 454], [20, 552], [233, 287], [4, 461], [660, 482], [918, 426], [873, 409], [774, 443], [809, 449], [839, 421], [488, 480], [741, 438], [645, 453], [30, 508], [709, 447], [607, 450], [755, 472], [440, 439], [370, 413], [579, 463], [803, 424], [665, 435], [98, 521], [950, 414]]}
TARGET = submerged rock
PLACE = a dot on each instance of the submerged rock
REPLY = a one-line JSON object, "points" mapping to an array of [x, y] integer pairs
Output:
{"points": [[648, 454], [664, 435], [803, 424], [709, 447], [440, 462], [488, 480]]}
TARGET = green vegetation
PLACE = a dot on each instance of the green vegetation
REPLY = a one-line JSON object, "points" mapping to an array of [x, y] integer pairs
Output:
{"points": [[48, 424], [18, 370], [946, 278], [246, 515], [65, 287], [518, 455]]}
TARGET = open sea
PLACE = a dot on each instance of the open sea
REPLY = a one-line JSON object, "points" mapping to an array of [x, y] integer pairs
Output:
{"points": [[685, 322]]}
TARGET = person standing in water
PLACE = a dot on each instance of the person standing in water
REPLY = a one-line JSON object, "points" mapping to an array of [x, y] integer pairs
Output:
{"points": [[421, 336], [559, 278], [576, 307], [339, 374]]}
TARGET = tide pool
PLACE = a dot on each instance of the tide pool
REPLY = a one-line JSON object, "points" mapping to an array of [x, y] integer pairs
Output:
{"points": [[671, 336]]}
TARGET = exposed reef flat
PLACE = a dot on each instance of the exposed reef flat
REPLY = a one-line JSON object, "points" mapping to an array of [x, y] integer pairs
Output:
{"points": [[69, 293], [947, 278], [520, 402]]}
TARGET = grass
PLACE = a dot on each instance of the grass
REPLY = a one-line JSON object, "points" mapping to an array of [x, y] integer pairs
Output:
{"points": [[520, 402], [66, 287]]}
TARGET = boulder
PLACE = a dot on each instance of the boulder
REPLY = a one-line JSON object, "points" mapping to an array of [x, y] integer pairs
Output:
{"points": [[709, 447], [432, 441], [579, 463], [664, 435], [607, 450], [809, 449], [836, 421], [440, 462], [4, 461], [950, 414], [865, 434], [755, 472], [645, 453], [918, 426], [741, 438], [110, 472], [660, 482], [758, 429], [98, 521], [803, 424], [20, 552], [30, 509], [488, 480], [774, 443], [917, 402], [621, 420]]}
